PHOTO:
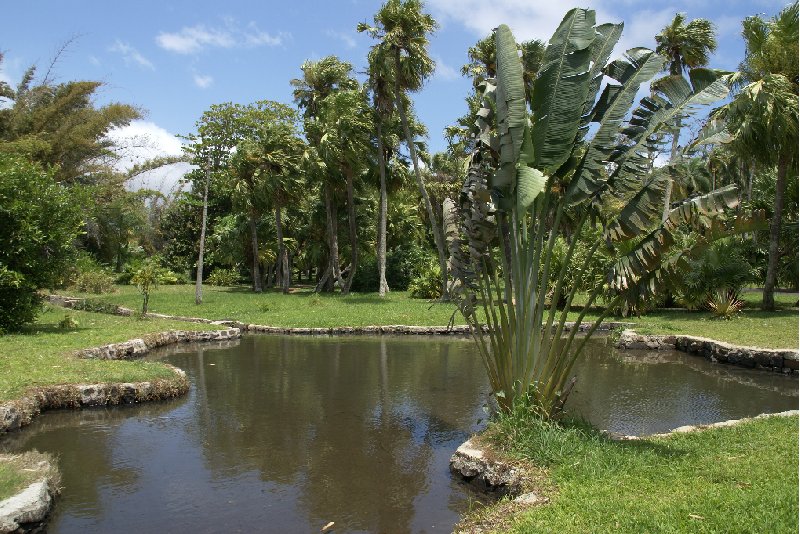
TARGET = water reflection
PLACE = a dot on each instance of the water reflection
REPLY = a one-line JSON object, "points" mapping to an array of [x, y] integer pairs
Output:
{"points": [[284, 434]]}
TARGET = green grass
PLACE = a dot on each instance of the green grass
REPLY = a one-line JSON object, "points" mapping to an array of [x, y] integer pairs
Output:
{"points": [[40, 355], [18, 471], [753, 327], [737, 479]]}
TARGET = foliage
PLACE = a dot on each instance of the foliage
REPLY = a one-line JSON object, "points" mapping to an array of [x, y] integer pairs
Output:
{"points": [[427, 285], [38, 222], [147, 278], [68, 322], [723, 267], [686, 46], [224, 277], [533, 180], [94, 281], [725, 304]]}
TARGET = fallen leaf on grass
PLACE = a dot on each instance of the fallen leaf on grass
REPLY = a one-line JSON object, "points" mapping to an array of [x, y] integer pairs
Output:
{"points": [[327, 527], [695, 516]]}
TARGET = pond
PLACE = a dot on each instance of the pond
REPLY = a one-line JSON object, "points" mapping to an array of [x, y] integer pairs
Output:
{"points": [[285, 434]]}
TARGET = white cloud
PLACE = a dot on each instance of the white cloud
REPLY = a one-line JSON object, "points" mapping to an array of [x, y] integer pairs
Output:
{"points": [[444, 71], [131, 55], [189, 40], [202, 80], [347, 39], [144, 140], [94, 61], [140, 141]]}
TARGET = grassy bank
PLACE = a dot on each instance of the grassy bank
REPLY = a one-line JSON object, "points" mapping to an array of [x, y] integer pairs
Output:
{"points": [[41, 355], [303, 308], [737, 479], [18, 471]]}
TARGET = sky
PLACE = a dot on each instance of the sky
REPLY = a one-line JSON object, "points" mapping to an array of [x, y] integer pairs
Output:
{"points": [[174, 59]]}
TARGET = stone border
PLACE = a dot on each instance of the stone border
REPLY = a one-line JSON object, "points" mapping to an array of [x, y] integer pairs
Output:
{"points": [[479, 467], [19, 412], [777, 360], [28, 507]]}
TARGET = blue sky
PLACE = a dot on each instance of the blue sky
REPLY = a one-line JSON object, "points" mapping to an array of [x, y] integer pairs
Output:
{"points": [[173, 59]]}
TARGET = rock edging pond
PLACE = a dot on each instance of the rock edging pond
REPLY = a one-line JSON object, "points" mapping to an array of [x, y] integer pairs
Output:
{"points": [[20, 412], [27, 509], [778, 360]]}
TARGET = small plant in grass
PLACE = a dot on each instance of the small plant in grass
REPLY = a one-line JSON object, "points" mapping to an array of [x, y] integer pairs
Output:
{"points": [[223, 277], [725, 304], [146, 279], [428, 285], [67, 323]]}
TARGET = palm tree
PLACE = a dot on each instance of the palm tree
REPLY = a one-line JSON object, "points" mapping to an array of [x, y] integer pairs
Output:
{"points": [[763, 118], [345, 121], [320, 79], [685, 46], [403, 29], [382, 100]]}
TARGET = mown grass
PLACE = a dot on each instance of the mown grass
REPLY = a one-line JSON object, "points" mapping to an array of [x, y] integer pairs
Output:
{"points": [[737, 479], [41, 355], [303, 308], [18, 471]]}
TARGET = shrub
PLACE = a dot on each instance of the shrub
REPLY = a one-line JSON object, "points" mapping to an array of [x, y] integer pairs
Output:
{"points": [[96, 282], [722, 268], [725, 304], [428, 285], [223, 277], [171, 278], [403, 264]]}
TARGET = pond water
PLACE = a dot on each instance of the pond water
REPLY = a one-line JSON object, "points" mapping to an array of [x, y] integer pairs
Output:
{"points": [[284, 434]]}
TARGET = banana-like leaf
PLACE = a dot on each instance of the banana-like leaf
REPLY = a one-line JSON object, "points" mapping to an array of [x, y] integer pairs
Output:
{"points": [[640, 212], [699, 212], [530, 183], [560, 90], [675, 98], [637, 67], [607, 37], [510, 109]]}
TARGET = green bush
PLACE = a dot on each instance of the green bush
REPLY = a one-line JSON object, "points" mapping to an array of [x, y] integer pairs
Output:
{"points": [[171, 278], [428, 285], [403, 264], [39, 221], [223, 277], [96, 282], [724, 267]]}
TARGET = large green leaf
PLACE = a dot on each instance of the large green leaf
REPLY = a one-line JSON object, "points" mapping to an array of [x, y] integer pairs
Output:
{"points": [[637, 67], [561, 89], [510, 109], [530, 183]]}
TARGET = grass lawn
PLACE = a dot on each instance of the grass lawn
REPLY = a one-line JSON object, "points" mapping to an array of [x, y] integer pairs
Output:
{"points": [[40, 355], [737, 479], [18, 471], [303, 308]]}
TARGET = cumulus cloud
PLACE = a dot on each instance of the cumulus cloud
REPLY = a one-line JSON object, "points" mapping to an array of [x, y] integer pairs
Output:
{"points": [[131, 55], [141, 141], [346, 38], [444, 71], [193, 39], [202, 81]]}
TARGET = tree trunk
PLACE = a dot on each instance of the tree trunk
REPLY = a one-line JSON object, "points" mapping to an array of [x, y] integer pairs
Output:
{"points": [[438, 238], [333, 235], [254, 242], [383, 286], [282, 259], [768, 301], [351, 219], [198, 284]]}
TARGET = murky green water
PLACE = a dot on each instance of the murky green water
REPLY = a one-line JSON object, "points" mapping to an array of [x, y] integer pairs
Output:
{"points": [[284, 434]]}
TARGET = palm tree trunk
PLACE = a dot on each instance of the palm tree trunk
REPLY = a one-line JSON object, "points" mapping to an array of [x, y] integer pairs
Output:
{"points": [[333, 235], [283, 261], [254, 243], [438, 238], [383, 286], [198, 284], [351, 216], [768, 301]]}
